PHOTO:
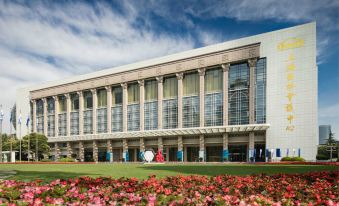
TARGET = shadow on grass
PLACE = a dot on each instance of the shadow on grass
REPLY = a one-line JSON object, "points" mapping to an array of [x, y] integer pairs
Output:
{"points": [[46, 176], [212, 170]]}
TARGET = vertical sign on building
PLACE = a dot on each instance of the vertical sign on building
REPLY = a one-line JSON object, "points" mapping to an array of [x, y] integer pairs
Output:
{"points": [[289, 46]]}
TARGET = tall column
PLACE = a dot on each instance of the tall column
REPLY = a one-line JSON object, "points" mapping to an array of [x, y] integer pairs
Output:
{"points": [[68, 114], [95, 151], [124, 106], [81, 113], [225, 69], [202, 147], [160, 80], [81, 151], [180, 147], [45, 117], [94, 110], [69, 150], [56, 116], [142, 101], [142, 144], [160, 144], [202, 96], [252, 64], [180, 77], [109, 109], [125, 147], [251, 144], [34, 115], [56, 151], [225, 146]]}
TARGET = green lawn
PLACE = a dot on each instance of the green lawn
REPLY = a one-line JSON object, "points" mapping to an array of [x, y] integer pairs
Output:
{"points": [[49, 172]]}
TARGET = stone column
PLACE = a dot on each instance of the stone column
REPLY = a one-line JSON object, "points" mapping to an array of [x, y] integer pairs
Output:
{"points": [[251, 144], [109, 109], [69, 150], [34, 115], [160, 144], [94, 110], [95, 151], [225, 141], [110, 149], [225, 145], [45, 117], [56, 116], [202, 145], [180, 77], [81, 113], [225, 69], [68, 114], [160, 80], [202, 96], [124, 147], [252, 64], [81, 151], [57, 151], [142, 144], [124, 106], [180, 147], [142, 101]]}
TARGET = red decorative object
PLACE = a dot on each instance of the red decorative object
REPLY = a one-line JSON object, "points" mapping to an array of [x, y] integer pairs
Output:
{"points": [[159, 157]]}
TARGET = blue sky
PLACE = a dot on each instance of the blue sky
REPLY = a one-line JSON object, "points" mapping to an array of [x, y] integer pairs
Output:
{"points": [[48, 40]]}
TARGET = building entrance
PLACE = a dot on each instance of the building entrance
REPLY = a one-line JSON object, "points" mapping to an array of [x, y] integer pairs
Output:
{"points": [[260, 152], [102, 154], [117, 155], [88, 155], [214, 153], [192, 154], [238, 153]]}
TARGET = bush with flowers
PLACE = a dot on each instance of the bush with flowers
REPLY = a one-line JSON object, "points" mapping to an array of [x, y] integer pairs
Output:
{"points": [[317, 188]]}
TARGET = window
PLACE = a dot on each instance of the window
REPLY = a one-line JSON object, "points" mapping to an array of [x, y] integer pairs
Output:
{"points": [[170, 88], [213, 80], [116, 96], [62, 104], [191, 84], [50, 106], [88, 100], [74, 102], [102, 98], [133, 93], [151, 90], [260, 91]]}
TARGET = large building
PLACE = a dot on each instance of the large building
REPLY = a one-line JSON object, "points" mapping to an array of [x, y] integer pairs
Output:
{"points": [[250, 98], [324, 133]]}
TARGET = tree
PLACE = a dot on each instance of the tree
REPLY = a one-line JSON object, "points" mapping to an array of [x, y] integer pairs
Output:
{"points": [[33, 139], [331, 139]]}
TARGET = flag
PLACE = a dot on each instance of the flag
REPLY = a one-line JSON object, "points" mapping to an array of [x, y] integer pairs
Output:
{"points": [[27, 121], [19, 121]]}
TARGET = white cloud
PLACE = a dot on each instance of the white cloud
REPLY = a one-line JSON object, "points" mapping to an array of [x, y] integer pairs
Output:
{"points": [[330, 115], [42, 42]]}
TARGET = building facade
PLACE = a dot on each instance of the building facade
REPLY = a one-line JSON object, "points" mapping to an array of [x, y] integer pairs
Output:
{"points": [[324, 133], [253, 98]]}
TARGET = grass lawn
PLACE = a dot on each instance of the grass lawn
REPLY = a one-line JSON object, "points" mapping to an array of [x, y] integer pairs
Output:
{"points": [[48, 172]]}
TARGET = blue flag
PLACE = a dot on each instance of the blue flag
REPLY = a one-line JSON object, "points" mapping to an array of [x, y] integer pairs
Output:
{"points": [[27, 121], [19, 121]]}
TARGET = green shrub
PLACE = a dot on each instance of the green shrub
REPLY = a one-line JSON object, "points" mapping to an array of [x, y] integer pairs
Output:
{"points": [[45, 160], [322, 157], [293, 159], [66, 159], [286, 159]]}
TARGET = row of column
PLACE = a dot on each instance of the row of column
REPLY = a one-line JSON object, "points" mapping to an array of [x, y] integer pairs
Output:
{"points": [[180, 76], [180, 145]]}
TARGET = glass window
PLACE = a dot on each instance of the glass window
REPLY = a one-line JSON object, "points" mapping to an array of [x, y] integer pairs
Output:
{"points": [[260, 91], [151, 90], [213, 80], [191, 84], [170, 88], [50, 105], [116, 96], [133, 93], [74, 101], [39, 107], [62, 104], [88, 100], [102, 97]]}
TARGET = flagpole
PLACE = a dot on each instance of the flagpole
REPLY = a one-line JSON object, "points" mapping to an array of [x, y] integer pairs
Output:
{"points": [[28, 146], [1, 118], [10, 137], [20, 142]]}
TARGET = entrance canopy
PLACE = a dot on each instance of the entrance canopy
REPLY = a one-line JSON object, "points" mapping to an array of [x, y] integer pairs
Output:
{"points": [[165, 132]]}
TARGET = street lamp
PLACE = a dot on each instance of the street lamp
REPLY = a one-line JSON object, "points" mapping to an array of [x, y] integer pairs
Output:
{"points": [[1, 118]]}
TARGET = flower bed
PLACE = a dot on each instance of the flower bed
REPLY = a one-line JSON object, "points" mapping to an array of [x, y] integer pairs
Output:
{"points": [[318, 188]]}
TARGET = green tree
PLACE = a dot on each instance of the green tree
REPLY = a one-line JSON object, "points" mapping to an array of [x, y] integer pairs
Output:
{"points": [[331, 139], [35, 139]]}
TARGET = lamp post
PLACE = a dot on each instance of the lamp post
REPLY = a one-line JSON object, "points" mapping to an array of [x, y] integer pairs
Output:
{"points": [[1, 118]]}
